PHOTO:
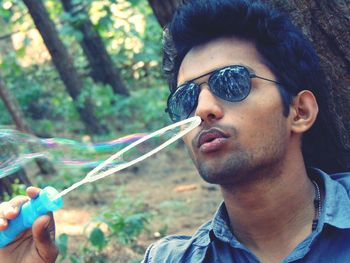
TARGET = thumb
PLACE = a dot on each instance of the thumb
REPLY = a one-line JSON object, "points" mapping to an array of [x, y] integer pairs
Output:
{"points": [[44, 238]]}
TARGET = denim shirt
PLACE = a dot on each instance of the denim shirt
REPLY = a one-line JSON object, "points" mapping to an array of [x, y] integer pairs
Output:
{"points": [[214, 241]]}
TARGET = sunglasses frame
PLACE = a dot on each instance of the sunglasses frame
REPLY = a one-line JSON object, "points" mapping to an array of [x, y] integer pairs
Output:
{"points": [[174, 117]]}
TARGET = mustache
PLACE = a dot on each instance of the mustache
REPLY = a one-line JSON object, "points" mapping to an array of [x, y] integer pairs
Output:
{"points": [[230, 131]]}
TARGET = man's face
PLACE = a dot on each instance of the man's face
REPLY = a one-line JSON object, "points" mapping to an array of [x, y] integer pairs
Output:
{"points": [[236, 140]]}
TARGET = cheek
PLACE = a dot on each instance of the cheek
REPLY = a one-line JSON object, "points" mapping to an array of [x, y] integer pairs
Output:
{"points": [[261, 122]]}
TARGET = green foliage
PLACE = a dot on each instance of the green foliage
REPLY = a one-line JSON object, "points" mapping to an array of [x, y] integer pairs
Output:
{"points": [[62, 244], [42, 95], [134, 2], [16, 189], [142, 111], [126, 218], [97, 238]]}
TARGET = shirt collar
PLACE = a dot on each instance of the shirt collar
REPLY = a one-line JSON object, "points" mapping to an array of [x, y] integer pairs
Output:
{"points": [[336, 204], [221, 224]]}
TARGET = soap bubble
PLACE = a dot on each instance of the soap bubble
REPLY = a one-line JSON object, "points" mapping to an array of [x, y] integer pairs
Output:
{"points": [[18, 149]]}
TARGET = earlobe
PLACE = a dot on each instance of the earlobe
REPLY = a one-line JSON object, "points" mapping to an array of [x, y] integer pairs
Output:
{"points": [[304, 111]]}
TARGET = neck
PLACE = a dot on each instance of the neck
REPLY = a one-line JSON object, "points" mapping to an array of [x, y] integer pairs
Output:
{"points": [[274, 214]]}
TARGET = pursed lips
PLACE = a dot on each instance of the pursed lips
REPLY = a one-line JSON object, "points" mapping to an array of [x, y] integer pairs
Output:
{"points": [[212, 139]]}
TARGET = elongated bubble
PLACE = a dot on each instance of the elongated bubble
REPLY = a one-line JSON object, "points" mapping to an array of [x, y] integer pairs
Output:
{"points": [[144, 148], [131, 150], [138, 151], [18, 149]]}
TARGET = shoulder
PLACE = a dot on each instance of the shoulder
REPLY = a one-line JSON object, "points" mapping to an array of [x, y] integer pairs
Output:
{"points": [[177, 248]]}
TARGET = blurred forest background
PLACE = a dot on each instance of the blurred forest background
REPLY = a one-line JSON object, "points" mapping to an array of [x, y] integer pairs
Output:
{"points": [[91, 71], [74, 68]]}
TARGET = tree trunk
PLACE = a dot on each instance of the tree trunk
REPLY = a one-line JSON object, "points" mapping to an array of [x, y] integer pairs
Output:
{"points": [[13, 108], [326, 23], [63, 63], [102, 69], [17, 115]]}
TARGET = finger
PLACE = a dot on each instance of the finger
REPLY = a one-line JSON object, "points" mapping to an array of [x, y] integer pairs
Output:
{"points": [[33, 192], [3, 223], [3, 220], [44, 237], [9, 210], [13, 206], [3, 206]]}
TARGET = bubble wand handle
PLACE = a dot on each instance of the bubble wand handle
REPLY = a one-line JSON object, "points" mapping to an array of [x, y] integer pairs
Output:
{"points": [[30, 211]]}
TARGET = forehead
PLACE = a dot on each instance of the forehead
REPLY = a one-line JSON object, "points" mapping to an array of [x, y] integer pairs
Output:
{"points": [[216, 54]]}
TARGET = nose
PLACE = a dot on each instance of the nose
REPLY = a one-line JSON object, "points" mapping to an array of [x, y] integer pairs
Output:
{"points": [[209, 108]]}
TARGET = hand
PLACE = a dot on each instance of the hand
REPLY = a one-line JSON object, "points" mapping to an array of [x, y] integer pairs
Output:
{"points": [[34, 245]]}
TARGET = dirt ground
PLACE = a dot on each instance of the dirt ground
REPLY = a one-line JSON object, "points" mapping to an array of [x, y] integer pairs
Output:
{"points": [[171, 189]]}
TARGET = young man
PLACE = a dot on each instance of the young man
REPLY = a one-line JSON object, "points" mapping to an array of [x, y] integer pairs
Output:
{"points": [[255, 82], [252, 77]]}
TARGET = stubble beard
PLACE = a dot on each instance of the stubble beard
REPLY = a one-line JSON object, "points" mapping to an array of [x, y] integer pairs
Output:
{"points": [[231, 170], [243, 166]]}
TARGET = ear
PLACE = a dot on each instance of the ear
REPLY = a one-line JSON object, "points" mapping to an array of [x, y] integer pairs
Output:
{"points": [[303, 112]]}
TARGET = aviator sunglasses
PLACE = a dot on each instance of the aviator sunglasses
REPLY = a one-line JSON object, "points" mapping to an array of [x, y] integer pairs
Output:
{"points": [[231, 83]]}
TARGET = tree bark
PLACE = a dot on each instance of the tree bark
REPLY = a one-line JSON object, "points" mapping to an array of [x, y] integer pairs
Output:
{"points": [[326, 23], [13, 108], [102, 68], [63, 63]]}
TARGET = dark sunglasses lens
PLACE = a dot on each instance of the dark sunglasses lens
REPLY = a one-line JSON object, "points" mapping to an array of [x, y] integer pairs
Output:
{"points": [[183, 101], [231, 83]]}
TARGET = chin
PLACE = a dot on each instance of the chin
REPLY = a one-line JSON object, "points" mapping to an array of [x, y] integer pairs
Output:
{"points": [[225, 173], [224, 169]]}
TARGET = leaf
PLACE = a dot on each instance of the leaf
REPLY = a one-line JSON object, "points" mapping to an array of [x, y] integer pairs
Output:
{"points": [[97, 238], [62, 243]]}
